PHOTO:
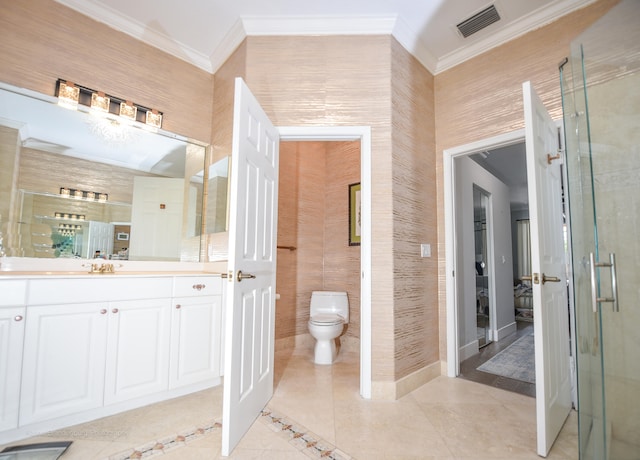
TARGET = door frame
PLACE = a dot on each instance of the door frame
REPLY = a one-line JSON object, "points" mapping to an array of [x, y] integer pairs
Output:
{"points": [[362, 134], [449, 155]]}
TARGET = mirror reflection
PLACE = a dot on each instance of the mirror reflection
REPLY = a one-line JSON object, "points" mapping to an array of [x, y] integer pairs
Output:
{"points": [[483, 307], [74, 184], [218, 190]]}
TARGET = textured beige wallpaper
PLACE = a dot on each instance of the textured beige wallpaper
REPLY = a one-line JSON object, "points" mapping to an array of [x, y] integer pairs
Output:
{"points": [[414, 211]]}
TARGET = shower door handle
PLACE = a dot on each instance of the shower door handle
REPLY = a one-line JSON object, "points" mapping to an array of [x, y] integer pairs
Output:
{"points": [[614, 282]]}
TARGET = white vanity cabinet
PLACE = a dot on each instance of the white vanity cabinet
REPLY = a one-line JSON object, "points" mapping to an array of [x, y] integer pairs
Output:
{"points": [[12, 321], [85, 348], [195, 331], [64, 360], [137, 349], [77, 348]]}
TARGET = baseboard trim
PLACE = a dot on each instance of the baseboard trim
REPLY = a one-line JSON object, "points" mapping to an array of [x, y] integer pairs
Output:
{"points": [[391, 391], [506, 331], [468, 350]]}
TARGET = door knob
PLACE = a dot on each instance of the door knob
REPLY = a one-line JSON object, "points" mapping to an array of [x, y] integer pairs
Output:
{"points": [[243, 276], [550, 279]]}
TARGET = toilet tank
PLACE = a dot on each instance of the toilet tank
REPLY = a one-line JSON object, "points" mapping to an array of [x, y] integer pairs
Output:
{"points": [[331, 303]]}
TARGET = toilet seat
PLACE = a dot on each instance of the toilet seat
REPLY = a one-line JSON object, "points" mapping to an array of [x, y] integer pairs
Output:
{"points": [[326, 320]]}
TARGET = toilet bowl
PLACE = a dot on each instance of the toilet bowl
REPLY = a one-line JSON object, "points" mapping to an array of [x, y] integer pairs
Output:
{"points": [[329, 314]]}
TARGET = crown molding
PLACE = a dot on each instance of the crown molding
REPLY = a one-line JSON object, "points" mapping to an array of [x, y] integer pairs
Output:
{"points": [[228, 45], [139, 31], [321, 25], [410, 40], [318, 25], [528, 23], [299, 26]]}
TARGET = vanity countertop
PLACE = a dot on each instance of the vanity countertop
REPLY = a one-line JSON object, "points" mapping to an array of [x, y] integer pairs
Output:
{"points": [[25, 267]]}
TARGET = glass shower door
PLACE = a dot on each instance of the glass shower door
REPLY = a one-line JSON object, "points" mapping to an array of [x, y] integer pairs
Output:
{"points": [[601, 103], [583, 224]]}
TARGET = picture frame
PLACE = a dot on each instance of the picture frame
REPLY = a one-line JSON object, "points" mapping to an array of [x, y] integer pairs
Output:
{"points": [[122, 236], [354, 214]]}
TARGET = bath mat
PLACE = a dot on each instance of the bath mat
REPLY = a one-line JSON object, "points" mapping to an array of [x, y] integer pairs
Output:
{"points": [[517, 361], [38, 451]]}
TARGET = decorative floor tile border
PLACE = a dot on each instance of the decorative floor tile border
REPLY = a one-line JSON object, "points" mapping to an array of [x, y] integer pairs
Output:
{"points": [[310, 444], [168, 443]]}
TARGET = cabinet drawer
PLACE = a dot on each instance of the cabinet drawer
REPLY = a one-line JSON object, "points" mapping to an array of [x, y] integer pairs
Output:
{"points": [[13, 293], [188, 286], [100, 288]]}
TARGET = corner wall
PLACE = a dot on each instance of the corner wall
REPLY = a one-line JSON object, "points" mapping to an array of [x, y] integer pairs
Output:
{"points": [[371, 81]]}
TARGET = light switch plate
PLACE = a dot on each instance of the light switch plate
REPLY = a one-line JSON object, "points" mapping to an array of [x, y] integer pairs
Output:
{"points": [[425, 250]]}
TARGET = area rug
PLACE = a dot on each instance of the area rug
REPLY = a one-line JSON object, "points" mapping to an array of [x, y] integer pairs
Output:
{"points": [[517, 361]]}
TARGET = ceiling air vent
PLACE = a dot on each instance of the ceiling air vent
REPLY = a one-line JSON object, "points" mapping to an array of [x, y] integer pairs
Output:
{"points": [[478, 21]]}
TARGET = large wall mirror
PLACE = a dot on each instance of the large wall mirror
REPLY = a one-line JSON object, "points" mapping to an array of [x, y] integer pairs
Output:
{"points": [[77, 185]]}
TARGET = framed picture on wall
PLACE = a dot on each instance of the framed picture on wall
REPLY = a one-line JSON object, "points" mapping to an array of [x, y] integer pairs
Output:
{"points": [[354, 214]]}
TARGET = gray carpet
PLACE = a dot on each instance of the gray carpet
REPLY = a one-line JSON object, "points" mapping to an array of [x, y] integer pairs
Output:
{"points": [[517, 361]]}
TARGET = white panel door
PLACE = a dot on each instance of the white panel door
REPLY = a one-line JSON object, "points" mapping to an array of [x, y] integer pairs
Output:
{"points": [[156, 218], [250, 309], [548, 270]]}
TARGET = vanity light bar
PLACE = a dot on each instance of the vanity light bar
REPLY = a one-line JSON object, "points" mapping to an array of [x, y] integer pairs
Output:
{"points": [[83, 194], [65, 215], [70, 95]]}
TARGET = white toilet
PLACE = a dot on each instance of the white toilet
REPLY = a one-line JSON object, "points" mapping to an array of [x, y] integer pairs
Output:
{"points": [[329, 315]]}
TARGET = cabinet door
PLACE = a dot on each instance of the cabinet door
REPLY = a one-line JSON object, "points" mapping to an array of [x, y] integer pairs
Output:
{"points": [[195, 340], [63, 368], [11, 337], [137, 349]]}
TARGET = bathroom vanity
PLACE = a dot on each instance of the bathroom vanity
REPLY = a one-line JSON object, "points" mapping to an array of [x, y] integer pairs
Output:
{"points": [[78, 346]]}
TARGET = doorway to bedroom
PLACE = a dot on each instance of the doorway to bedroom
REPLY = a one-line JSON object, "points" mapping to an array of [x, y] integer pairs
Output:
{"points": [[495, 320]]}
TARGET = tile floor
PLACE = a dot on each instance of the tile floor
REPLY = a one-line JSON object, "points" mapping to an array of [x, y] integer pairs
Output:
{"points": [[316, 412]]}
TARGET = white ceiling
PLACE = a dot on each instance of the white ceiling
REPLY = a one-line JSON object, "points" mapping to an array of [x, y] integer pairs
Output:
{"points": [[206, 32]]}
